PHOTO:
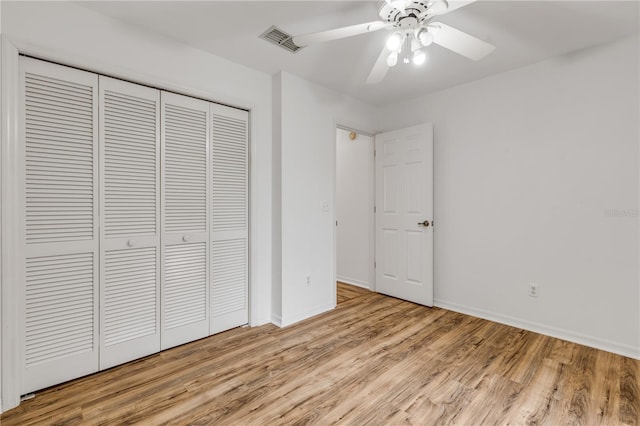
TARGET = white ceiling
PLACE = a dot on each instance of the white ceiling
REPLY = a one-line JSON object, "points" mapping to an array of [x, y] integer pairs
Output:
{"points": [[523, 32]]}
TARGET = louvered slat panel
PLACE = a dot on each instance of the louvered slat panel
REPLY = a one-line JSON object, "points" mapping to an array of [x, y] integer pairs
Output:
{"points": [[60, 116], [59, 307], [130, 294], [185, 284], [229, 276], [185, 170], [185, 219], [229, 181], [130, 175], [59, 160], [130, 210]]}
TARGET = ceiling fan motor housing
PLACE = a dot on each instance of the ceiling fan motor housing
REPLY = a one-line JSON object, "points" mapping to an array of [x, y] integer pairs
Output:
{"points": [[415, 10]]}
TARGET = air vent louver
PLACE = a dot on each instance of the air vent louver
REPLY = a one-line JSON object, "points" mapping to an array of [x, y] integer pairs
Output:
{"points": [[280, 38]]}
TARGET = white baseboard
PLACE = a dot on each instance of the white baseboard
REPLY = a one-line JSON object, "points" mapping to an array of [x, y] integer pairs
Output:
{"points": [[260, 321], [354, 282], [571, 336], [276, 320], [292, 319]]}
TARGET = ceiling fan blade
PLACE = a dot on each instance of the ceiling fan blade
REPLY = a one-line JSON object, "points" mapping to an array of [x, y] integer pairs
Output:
{"points": [[352, 30], [453, 5], [460, 42], [380, 68]]}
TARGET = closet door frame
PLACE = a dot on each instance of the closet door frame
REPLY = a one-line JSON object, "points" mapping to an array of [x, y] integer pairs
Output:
{"points": [[12, 135], [11, 141]]}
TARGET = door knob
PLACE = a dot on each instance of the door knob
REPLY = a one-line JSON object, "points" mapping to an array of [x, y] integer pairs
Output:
{"points": [[425, 223], [185, 238], [131, 243]]}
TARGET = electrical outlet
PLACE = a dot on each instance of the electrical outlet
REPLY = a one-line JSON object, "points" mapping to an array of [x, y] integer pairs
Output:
{"points": [[533, 290], [308, 280]]}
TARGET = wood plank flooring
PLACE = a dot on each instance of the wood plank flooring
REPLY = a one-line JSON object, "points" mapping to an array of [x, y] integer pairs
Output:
{"points": [[348, 292], [373, 360]]}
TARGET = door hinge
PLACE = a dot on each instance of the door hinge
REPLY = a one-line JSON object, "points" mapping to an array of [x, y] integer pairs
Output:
{"points": [[374, 209], [374, 152], [374, 264]]}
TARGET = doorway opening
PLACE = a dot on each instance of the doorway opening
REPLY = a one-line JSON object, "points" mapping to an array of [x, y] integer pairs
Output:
{"points": [[354, 211]]}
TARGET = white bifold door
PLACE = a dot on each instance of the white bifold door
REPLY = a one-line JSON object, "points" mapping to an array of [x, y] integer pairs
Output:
{"points": [[185, 219], [130, 221], [60, 123], [136, 226], [229, 220]]}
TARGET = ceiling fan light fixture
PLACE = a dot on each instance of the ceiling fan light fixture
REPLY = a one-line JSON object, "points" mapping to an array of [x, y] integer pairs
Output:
{"points": [[392, 59], [419, 57], [426, 38], [394, 42]]}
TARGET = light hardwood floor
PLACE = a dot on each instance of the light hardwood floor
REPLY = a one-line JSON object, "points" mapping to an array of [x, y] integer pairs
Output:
{"points": [[373, 360]]}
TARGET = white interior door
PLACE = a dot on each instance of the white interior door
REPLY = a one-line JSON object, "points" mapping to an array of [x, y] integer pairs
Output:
{"points": [[130, 221], [229, 218], [404, 214], [59, 113], [185, 219]]}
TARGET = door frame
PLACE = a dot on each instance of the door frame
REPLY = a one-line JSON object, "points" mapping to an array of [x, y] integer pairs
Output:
{"points": [[12, 297]]}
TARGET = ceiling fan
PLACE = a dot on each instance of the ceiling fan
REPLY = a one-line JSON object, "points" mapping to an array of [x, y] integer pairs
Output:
{"points": [[413, 29]]}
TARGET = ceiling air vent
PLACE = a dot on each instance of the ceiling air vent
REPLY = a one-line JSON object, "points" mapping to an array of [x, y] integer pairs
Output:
{"points": [[277, 36]]}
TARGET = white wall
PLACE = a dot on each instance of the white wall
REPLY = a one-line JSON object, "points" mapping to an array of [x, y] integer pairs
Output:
{"points": [[308, 117], [71, 34], [536, 180], [354, 201]]}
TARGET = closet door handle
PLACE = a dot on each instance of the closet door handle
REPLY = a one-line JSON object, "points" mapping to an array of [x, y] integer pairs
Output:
{"points": [[131, 243], [425, 223], [185, 238]]}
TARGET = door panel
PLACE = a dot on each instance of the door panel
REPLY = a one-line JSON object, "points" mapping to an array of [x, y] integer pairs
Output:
{"points": [[185, 219], [61, 230], [229, 221], [404, 188], [130, 215]]}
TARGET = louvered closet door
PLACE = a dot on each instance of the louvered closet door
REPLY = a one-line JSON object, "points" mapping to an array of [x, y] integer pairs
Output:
{"points": [[185, 188], [229, 218], [130, 221], [60, 125]]}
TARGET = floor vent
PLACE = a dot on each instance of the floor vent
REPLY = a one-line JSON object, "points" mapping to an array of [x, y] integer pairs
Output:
{"points": [[278, 37]]}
